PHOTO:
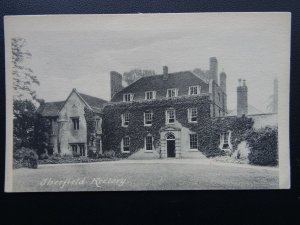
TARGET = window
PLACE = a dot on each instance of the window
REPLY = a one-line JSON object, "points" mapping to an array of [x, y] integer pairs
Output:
{"points": [[125, 119], [170, 114], [192, 115], [172, 93], [226, 135], [75, 121], [225, 140], [74, 149], [149, 143], [194, 90], [219, 96], [148, 118], [127, 97], [78, 149], [81, 150], [98, 124], [193, 141], [150, 95], [126, 144]]}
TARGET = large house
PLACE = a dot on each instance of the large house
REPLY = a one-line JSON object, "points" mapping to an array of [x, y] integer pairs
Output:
{"points": [[157, 116]]}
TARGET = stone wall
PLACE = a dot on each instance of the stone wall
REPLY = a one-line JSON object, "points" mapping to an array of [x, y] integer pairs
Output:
{"points": [[74, 107]]}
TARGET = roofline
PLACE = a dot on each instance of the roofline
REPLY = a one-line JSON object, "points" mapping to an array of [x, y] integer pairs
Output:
{"points": [[185, 71], [74, 90]]}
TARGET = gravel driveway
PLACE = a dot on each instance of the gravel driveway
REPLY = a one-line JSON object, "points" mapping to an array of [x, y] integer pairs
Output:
{"points": [[122, 175]]}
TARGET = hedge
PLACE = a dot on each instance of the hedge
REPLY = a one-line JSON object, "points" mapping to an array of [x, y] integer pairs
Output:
{"points": [[263, 145]]}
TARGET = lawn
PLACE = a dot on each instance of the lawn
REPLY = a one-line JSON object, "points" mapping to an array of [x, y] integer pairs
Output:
{"points": [[144, 175]]}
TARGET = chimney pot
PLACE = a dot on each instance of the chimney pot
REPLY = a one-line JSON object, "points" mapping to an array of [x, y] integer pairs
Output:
{"points": [[244, 82], [240, 82]]}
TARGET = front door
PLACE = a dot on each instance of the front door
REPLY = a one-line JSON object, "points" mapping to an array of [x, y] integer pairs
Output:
{"points": [[171, 148]]}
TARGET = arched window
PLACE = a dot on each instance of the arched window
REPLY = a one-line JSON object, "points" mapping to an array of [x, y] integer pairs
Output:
{"points": [[170, 136]]}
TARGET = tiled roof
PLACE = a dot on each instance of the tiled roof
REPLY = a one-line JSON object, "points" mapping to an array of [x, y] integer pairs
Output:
{"points": [[93, 101], [181, 80], [50, 109]]}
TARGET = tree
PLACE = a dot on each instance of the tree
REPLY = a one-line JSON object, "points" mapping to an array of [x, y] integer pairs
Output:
{"points": [[42, 126], [135, 74], [24, 119], [24, 80]]}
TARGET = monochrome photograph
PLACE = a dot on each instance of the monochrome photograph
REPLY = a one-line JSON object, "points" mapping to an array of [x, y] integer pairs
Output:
{"points": [[147, 102]]}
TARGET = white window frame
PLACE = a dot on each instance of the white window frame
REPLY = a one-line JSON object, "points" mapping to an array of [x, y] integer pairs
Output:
{"points": [[145, 118], [198, 88], [123, 119], [130, 97], [193, 148], [98, 122], [168, 118], [153, 95], [152, 144], [122, 145], [175, 92], [190, 110]]}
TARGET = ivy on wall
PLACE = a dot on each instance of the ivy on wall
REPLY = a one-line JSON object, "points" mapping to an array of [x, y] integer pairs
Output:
{"points": [[207, 128], [113, 132], [210, 131], [90, 124]]}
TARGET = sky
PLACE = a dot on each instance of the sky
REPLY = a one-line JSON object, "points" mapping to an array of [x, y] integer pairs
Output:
{"points": [[79, 51]]}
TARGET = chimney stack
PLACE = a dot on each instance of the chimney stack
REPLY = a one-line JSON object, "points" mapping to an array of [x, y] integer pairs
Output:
{"points": [[165, 73], [242, 99], [213, 69], [223, 77], [115, 83]]}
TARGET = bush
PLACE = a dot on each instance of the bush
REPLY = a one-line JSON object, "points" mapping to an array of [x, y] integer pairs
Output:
{"points": [[242, 152], [109, 154], [43, 156], [25, 157], [92, 154], [263, 145], [23, 153]]}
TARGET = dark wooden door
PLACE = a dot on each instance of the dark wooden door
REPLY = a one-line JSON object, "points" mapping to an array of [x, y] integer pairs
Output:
{"points": [[171, 148]]}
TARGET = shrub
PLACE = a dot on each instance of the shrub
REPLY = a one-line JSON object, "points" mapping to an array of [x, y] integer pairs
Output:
{"points": [[23, 153], [263, 145], [43, 156], [92, 154], [24, 157], [242, 151], [109, 154]]}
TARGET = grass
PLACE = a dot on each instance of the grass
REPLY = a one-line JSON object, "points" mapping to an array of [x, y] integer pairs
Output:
{"points": [[144, 175]]}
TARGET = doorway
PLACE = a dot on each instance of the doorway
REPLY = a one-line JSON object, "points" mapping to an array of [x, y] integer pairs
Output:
{"points": [[171, 145], [171, 148]]}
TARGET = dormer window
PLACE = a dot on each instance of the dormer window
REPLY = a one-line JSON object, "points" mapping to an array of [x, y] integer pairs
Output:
{"points": [[150, 95], [172, 93], [127, 97], [194, 90]]}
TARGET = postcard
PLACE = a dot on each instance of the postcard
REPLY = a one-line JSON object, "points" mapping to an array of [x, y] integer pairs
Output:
{"points": [[138, 102]]}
